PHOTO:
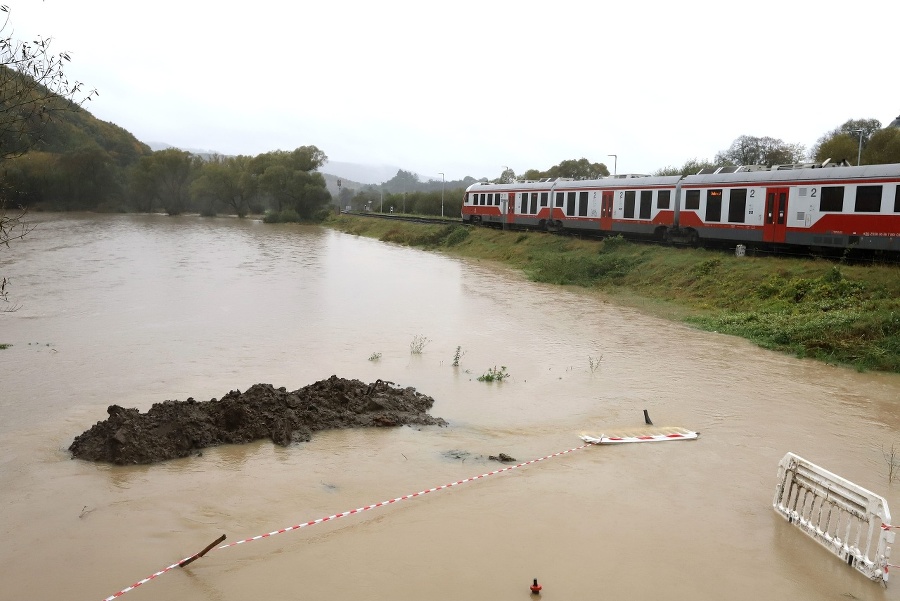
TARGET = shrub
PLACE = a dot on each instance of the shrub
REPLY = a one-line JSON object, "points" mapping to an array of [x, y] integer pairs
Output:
{"points": [[418, 344], [494, 374], [456, 235]]}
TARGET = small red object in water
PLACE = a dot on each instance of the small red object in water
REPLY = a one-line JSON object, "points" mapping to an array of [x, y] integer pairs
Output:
{"points": [[536, 588]]}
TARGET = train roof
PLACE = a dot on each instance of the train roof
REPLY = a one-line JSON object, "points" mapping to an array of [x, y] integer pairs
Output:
{"points": [[735, 176], [562, 183], [817, 174]]}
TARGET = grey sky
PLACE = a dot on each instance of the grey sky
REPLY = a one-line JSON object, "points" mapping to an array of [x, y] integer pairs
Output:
{"points": [[465, 87]]}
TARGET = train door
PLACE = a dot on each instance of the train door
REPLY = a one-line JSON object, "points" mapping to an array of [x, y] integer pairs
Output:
{"points": [[774, 225], [606, 211]]}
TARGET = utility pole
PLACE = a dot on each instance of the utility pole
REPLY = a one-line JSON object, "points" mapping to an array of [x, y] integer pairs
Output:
{"points": [[442, 195], [859, 153]]}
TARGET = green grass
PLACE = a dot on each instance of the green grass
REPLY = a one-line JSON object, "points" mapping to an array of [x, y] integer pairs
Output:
{"points": [[843, 314]]}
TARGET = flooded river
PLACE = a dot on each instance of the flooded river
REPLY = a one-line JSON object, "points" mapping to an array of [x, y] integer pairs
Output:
{"points": [[134, 310]]}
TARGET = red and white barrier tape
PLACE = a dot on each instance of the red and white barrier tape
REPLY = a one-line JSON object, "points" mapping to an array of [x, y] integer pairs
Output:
{"points": [[344, 514]]}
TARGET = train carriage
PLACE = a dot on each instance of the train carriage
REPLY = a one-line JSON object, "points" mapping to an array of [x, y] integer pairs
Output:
{"points": [[790, 205], [837, 207]]}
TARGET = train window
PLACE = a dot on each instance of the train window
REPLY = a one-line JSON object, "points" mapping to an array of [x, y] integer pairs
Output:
{"points": [[544, 196], [832, 198], [533, 203], [646, 204], [713, 205], [737, 206], [692, 200], [524, 204], [629, 204], [897, 198], [662, 199], [570, 203], [868, 199], [560, 196], [582, 204]]}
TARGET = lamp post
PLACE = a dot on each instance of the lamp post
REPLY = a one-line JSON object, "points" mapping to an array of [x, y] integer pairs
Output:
{"points": [[859, 153], [442, 195], [615, 163]]}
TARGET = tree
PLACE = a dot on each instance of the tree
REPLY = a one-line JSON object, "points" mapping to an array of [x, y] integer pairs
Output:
{"points": [[883, 147], [404, 181], [690, 167], [575, 169], [166, 176], [224, 182], [12, 227], [33, 87], [345, 198], [578, 169], [837, 148], [507, 176], [752, 150], [290, 180], [843, 142]]}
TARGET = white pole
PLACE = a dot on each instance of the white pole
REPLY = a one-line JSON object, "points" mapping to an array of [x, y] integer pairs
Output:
{"points": [[442, 195]]}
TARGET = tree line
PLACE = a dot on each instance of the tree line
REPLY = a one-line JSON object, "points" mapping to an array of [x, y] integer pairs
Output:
{"points": [[283, 184], [856, 140]]}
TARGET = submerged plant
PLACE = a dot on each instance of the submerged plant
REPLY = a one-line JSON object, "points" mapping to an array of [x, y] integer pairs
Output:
{"points": [[893, 462], [374, 356], [593, 363], [494, 374], [457, 356], [418, 344]]}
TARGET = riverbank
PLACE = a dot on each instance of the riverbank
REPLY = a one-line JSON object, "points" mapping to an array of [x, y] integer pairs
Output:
{"points": [[833, 312]]}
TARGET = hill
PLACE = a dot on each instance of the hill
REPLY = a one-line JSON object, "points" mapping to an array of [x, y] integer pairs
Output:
{"points": [[77, 129]]}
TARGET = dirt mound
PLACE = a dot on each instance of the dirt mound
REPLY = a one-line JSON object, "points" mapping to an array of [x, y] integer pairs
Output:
{"points": [[173, 429]]}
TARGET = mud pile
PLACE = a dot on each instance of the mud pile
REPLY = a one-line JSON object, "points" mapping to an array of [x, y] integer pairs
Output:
{"points": [[173, 429]]}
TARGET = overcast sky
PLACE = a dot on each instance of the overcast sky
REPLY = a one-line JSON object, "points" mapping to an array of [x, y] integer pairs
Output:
{"points": [[468, 88]]}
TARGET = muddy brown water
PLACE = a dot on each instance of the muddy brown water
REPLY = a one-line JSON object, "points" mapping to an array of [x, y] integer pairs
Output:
{"points": [[137, 309]]}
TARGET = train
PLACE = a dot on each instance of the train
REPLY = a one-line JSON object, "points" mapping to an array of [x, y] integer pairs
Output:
{"points": [[827, 206]]}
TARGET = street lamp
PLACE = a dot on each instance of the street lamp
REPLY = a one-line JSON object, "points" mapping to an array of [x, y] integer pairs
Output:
{"points": [[442, 195], [858, 154], [615, 163]]}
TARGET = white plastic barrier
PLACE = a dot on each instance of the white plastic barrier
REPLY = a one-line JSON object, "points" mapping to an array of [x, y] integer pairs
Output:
{"points": [[848, 520]]}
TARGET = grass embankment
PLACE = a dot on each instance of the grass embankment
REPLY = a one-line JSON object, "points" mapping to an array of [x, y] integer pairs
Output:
{"points": [[845, 314]]}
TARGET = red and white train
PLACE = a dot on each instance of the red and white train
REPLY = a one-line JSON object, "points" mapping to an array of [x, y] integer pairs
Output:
{"points": [[821, 206]]}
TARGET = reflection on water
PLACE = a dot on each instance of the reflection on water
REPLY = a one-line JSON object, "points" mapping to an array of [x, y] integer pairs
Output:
{"points": [[134, 310]]}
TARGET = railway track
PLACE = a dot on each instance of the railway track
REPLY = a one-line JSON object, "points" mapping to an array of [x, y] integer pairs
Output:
{"points": [[407, 218]]}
